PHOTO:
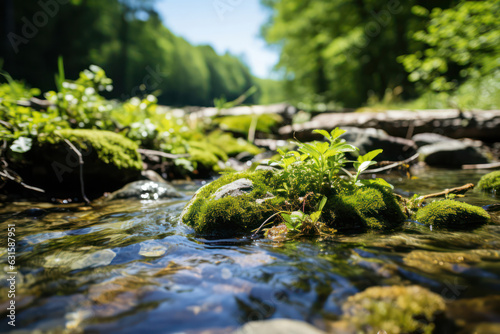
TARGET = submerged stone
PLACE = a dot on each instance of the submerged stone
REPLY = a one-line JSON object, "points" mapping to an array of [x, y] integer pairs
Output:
{"points": [[452, 215], [394, 309], [146, 190], [490, 183], [278, 326], [74, 260]]}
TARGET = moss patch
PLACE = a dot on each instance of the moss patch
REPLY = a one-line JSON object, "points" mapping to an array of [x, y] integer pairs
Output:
{"points": [[230, 145], [452, 214], [231, 216], [111, 148], [364, 208], [265, 123], [490, 183], [395, 309]]}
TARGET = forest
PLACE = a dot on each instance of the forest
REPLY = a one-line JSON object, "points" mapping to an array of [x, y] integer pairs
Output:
{"points": [[128, 40], [151, 185]]}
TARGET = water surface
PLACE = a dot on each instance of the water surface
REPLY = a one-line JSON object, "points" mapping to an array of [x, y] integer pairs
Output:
{"points": [[131, 266]]}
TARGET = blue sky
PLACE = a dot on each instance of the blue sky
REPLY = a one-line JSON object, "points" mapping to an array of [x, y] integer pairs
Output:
{"points": [[227, 25]]}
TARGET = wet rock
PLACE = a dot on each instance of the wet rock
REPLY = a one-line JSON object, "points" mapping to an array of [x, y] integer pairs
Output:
{"points": [[434, 262], [151, 175], [146, 190], [152, 249], [430, 138], [394, 309], [450, 214], [232, 205], [278, 326], [451, 154], [34, 213], [490, 183], [395, 148], [76, 260], [234, 189]]}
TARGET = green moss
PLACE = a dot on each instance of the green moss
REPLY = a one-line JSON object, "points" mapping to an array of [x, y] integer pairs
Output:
{"points": [[111, 148], [490, 182], [230, 145], [265, 123], [230, 216], [363, 208], [452, 214], [206, 154], [395, 309]]}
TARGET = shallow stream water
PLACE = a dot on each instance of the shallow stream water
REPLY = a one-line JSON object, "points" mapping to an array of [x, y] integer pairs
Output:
{"points": [[131, 266]]}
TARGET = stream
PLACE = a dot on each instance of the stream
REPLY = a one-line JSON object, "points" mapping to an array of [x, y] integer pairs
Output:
{"points": [[132, 266]]}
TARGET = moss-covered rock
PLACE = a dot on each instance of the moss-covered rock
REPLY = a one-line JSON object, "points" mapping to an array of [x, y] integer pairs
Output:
{"points": [[359, 209], [249, 198], [450, 214], [110, 161], [111, 148], [395, 309], [490, 183], [237, 212]]}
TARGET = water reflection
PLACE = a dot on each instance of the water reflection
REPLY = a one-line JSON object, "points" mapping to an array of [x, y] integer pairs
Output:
{"points": [[132, 266]]}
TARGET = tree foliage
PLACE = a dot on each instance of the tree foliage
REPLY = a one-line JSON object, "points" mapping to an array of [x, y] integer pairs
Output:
{"points": [[463, 42], [128, 40], [347, 50]]}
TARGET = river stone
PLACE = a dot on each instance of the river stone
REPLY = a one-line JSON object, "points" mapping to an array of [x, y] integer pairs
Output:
{"points": [[238, 188], [152, 249], [234, 189], [429, 138], [451, 154], [395, 148], [76, 260], [146, 190], [395, 309], [278, 326]]}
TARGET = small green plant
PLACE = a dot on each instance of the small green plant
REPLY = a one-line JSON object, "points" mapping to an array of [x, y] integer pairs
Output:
{"points": [[324, 160], [302, 223]]}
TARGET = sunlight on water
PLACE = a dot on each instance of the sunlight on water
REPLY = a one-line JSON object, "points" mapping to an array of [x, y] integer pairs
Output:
{"points": [[125, 266]]}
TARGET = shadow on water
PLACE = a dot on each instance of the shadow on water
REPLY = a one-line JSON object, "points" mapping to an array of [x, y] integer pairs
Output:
{"points": [[132, 266]]}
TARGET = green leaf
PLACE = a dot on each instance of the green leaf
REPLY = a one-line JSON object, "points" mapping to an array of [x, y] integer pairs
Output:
{"points": [[21, 145], [315, 216], [370, 155], [380, 182], [322, 203], [324, 133], [364, 166], [337, 133], [287, 218]]}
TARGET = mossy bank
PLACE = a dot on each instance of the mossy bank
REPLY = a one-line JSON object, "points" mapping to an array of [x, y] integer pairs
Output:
{"points": [[110, 161]]}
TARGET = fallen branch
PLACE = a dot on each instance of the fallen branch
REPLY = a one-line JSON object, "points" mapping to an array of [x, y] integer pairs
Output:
{"points": [[458, 190], [392, 165], [5, 173], [482, 166], [162, 154], [80, 161], [33, 103], [264, 223]]}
